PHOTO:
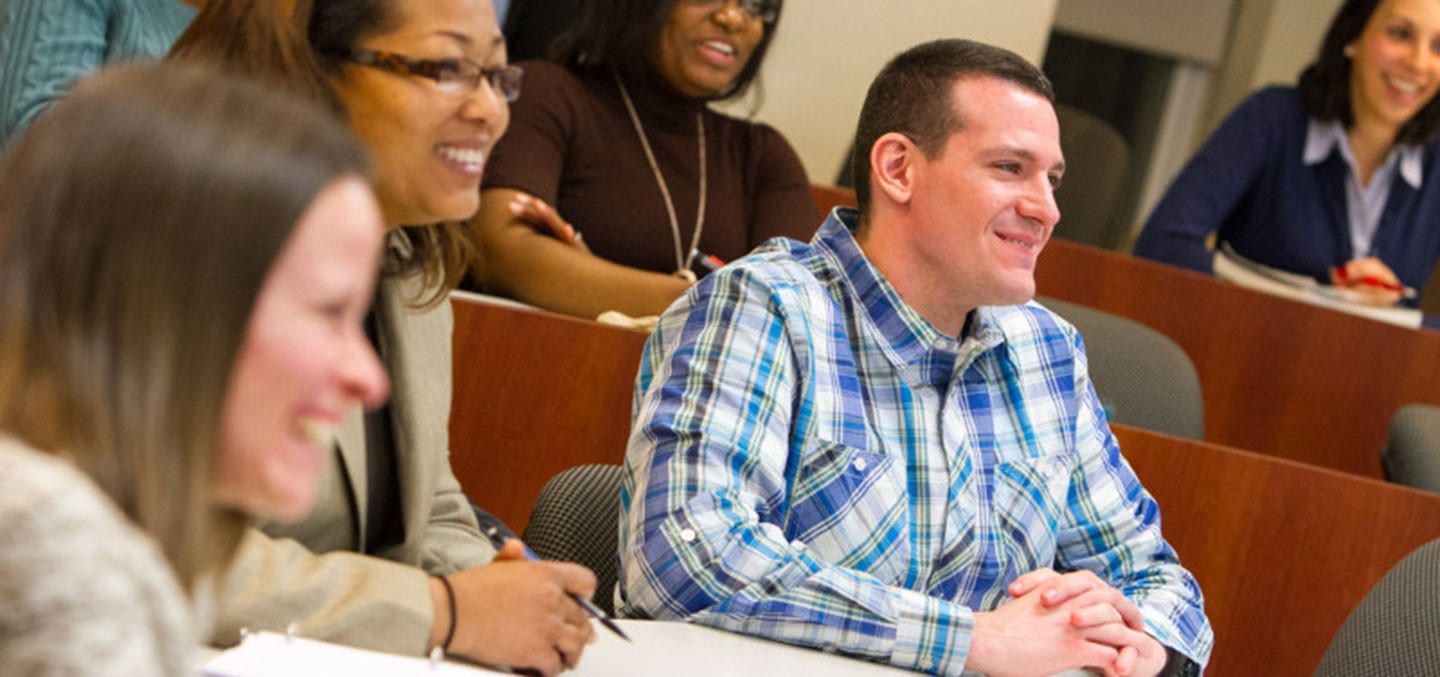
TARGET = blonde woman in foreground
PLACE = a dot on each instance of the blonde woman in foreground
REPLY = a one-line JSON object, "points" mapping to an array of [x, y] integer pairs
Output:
{"points": [[185, 261]]}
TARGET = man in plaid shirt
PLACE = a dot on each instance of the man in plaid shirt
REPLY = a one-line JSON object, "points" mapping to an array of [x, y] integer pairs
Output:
{"points": [[863, 444]]}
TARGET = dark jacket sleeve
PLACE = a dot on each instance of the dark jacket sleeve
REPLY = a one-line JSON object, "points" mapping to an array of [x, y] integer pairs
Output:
{"points": [[1221, 174]]}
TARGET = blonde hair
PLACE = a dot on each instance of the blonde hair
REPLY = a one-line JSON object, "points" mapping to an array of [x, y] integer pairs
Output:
{"points": [[138, 219]]}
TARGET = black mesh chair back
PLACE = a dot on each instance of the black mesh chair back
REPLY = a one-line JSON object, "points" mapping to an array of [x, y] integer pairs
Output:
{"points": [[1395, 630], [576, 519], [1412, 454]]}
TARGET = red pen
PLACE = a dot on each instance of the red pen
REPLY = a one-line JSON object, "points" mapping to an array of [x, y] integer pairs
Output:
{"points": [[711, 262], [1370, 281]]}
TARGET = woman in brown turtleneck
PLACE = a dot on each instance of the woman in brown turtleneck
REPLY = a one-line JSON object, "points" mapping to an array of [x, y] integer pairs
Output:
{"points": [[595, 135]]}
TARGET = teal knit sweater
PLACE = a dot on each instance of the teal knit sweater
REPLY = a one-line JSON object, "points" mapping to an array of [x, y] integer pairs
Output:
{"points": [[46, 45]]}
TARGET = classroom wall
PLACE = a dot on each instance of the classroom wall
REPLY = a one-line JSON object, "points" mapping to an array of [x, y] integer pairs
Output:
{"points": [[1294, 33], [826, 52], [1180, 28], [1271, 41]]}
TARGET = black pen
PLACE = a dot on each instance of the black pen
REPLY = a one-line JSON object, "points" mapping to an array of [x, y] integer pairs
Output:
{"points": [[498, 540]]}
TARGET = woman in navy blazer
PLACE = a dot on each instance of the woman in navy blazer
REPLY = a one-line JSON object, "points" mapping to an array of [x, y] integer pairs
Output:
{"points": [[1339, 178]]}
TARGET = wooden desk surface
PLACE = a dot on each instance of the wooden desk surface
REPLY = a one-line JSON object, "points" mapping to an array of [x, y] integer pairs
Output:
{"points": [[535, 393], [1283, 550], [1279, 377]]}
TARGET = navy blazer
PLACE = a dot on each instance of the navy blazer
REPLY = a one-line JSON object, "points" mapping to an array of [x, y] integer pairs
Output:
{"points": [[1249, 185]]}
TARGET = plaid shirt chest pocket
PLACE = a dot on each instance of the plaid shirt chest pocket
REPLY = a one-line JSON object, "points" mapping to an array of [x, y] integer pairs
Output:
{"points": [[849, 507], [1032, 478], [1031, 500]]}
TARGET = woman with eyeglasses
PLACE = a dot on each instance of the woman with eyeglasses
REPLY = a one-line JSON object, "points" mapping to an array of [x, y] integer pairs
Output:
{"points": [[616, 141], [392, 558]]}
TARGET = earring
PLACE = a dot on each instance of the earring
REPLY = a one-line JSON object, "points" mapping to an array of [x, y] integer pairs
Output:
{"points": [[1349, 51]]}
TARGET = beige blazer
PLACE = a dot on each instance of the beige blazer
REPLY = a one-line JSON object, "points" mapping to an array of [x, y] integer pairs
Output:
{"points": [[310, 572]]}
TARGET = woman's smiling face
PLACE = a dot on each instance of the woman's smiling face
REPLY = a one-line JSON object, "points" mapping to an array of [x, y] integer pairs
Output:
{"points": [[705, 44], [1395, 62], [428, 146], [305, 359]]}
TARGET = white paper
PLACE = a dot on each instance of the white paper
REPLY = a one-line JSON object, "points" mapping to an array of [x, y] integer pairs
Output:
{"points": [[268, 654]]}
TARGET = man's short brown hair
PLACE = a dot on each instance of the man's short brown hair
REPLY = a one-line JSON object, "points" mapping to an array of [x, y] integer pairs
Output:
{"points": [[912, 95]]}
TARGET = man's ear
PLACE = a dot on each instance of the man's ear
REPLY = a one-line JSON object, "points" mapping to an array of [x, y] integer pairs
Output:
{"points": [[892, 166]]}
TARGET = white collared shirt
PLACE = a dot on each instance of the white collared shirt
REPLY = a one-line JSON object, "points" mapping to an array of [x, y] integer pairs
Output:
{"points": [[1364, 204]]}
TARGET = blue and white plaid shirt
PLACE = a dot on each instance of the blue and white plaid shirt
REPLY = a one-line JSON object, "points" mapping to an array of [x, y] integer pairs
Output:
{"points": [[813, 462]]}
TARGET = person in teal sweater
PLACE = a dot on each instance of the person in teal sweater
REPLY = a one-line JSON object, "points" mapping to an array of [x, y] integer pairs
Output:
{"points": [[46, 45]]}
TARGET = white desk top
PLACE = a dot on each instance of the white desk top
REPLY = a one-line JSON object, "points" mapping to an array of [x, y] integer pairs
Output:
{"points": [[661, 649], [670, 649]]}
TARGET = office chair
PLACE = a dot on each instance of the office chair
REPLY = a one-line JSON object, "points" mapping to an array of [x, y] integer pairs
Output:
{"points": [[1412, 454], [1096, 160], [1395, 630], [1144, 379], [576, 519]]}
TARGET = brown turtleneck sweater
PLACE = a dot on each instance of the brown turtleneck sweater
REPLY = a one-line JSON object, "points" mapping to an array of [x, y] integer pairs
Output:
{"points": [[572, 144]]}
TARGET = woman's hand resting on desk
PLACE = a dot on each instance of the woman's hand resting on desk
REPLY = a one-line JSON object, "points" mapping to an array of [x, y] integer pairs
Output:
{"points": [[1370, 278], [517, 613], [545, 220]]}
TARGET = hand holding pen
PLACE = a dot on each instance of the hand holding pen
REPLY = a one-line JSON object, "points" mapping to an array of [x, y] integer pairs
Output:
{"points": [[504, 545], [514, 612], [1373, 278]]}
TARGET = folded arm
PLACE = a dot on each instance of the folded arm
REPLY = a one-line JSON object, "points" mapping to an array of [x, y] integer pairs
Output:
{"points": [[530, 264]]}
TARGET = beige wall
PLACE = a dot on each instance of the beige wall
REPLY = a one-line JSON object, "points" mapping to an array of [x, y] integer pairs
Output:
{"points": [[1271, 41], [1294, 35], [826, 52], [1186, 29]]}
